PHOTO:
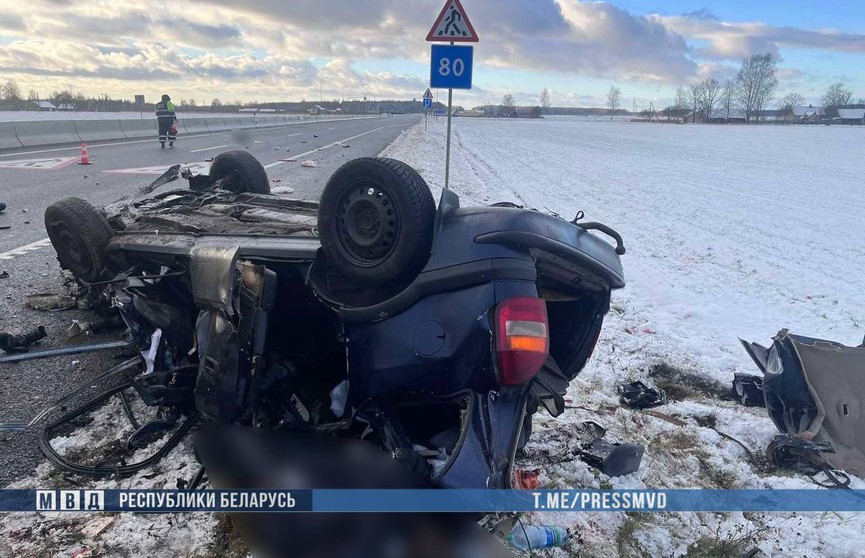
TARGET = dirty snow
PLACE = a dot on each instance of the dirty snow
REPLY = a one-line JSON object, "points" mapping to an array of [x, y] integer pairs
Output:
{"points": [[731, 231], [60, 534]]}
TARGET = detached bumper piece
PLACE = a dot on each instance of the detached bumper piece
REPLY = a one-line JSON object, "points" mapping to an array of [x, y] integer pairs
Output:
{"points": [[814, 392]]}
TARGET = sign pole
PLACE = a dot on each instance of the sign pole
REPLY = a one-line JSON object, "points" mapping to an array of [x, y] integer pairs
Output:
{"points": [[448, 142], [451, 66]]}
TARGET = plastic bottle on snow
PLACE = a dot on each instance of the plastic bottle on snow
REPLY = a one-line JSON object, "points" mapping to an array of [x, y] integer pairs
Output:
{"points": [[535, 537]]}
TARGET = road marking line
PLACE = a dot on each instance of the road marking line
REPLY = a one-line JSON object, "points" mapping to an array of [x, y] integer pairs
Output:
{"points": [[22, 250], [53, 163], [323, 147], [292, 135], [207, 148], [332, 128], [74, 148]]}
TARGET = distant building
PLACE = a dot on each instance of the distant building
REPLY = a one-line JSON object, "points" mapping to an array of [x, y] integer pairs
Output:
{"points": [[851, 116], [768, 115], [721, 116], [807, 114], [45, 105]]}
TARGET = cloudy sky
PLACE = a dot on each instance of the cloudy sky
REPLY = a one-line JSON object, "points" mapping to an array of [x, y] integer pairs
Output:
{"points": [[301, 49]]}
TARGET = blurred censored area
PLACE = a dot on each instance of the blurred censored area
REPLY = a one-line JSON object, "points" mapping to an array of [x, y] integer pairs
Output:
{"points": [[241, 457]]}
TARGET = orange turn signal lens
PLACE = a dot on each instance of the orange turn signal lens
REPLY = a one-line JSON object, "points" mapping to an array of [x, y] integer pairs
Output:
{"points": [[525, 343]]}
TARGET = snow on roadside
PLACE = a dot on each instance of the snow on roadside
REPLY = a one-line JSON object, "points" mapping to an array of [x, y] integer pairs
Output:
{"points": [[731, 231], [59, 534]]}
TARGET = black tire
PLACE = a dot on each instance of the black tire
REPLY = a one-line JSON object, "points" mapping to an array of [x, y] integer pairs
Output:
{"points": [[244, 173], [375, 221], [80, 234]]}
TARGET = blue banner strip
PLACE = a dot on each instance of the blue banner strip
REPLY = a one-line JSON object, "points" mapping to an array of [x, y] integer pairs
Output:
{"points": [[169, 501]]}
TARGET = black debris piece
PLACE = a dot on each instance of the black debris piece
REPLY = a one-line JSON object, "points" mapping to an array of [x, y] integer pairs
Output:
{"points": [[172, 174], [638, 395], [805, 456], [4, 274], [2, 206], [21, 342], [748, 389], [612, 459]]}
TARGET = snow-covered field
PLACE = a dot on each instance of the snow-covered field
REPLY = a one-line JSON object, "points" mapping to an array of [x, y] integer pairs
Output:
{"points": [[731, 231]]}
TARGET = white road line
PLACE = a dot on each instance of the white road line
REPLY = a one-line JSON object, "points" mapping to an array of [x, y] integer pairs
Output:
{"points": [[208, 148], [292, 135], [332, 128], [22, 250], [277, 163], [109, 144]]}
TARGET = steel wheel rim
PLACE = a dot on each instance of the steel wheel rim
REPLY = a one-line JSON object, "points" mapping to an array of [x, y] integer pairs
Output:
{"points": [[367, 224]]}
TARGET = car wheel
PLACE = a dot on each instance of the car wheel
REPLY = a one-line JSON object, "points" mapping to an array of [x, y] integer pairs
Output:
{"points": [[240, 172], [375, 221], [80, 234]]}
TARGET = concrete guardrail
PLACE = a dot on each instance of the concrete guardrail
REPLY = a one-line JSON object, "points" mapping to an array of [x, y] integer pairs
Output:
{"points": [[134, 129], [98, 130], [8, 137], [32, 134], [55, 132]]}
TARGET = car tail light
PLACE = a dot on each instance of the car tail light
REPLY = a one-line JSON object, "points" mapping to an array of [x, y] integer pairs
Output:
{"points": [[522, 340]]}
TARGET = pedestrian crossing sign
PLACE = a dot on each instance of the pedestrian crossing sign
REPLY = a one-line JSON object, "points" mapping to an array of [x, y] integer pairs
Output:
{"points": [[453, 25]]}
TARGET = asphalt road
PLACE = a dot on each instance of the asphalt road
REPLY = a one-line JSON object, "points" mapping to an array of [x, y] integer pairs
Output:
{"points": [[27, 387]]}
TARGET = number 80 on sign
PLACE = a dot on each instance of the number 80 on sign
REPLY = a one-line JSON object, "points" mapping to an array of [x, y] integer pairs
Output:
{"points": [[451, 67]]}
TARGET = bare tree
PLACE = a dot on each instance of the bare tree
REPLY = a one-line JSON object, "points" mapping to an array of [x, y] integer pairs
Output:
{"points": [[788, 102], [11, 94], [727, 99], [545, 99], [757, 83], [614, 96], [710, 91], [63, 99], [681, 100], [695, 93], [508, 106], [837, 95]]}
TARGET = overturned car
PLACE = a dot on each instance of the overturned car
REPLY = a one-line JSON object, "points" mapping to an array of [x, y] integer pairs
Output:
{"points": [[431, 333]]}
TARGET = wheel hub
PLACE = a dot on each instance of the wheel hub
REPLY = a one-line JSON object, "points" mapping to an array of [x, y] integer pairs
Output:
{"points": [[367, 225]]}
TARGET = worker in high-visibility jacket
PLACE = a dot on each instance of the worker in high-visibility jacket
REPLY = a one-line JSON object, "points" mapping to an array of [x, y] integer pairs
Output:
{"points": [[166, 119]]}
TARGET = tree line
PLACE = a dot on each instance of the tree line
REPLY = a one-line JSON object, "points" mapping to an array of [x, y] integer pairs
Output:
{"points": [[11, 98], [751, 91]]}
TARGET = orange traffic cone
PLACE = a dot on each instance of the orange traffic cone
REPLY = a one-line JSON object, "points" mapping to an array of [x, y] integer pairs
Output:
{"points": [[85, 158]]}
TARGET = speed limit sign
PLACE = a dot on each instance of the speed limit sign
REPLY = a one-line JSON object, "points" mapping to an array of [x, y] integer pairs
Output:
{"points": [[451, 67]]}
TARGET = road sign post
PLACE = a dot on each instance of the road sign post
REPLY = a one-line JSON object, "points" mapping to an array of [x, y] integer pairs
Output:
{"points": [[451, 66], [427, 104]]}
